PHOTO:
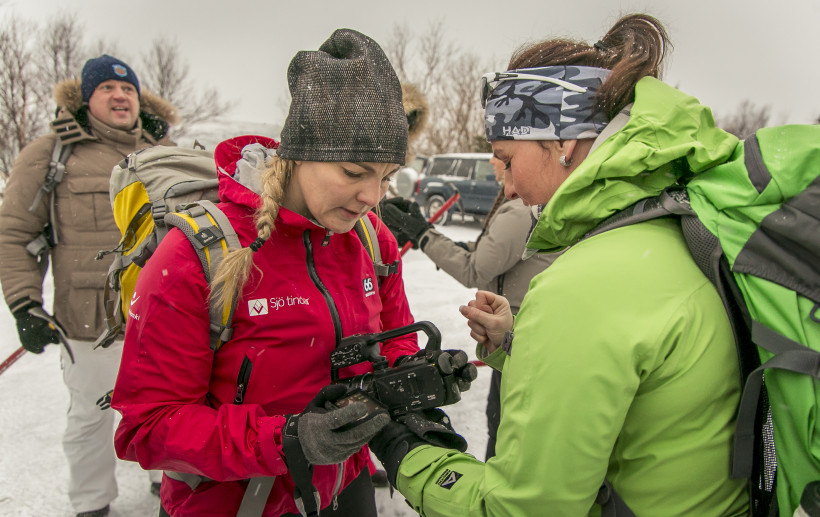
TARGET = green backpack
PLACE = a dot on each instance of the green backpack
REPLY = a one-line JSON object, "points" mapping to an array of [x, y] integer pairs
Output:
{"points": [[753, 227]]}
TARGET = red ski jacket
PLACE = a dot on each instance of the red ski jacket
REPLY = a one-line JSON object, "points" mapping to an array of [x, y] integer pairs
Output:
{"points": [[220, 414]]}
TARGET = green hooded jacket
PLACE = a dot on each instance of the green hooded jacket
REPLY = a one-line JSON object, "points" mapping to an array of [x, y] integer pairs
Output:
{"points": [[623, 365]]}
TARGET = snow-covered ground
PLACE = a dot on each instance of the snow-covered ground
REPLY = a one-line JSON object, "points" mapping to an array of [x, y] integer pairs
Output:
{"points": [[33, 470]]}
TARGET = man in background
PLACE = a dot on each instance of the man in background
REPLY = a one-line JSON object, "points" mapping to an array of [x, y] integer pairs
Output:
{"points": [[56, 209]]}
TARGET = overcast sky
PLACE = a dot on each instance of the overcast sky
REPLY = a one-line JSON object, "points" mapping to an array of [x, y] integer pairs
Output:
{"points": [[724, 50]]}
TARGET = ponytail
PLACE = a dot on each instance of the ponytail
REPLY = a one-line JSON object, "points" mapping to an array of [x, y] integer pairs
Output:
{"points": [[632, 49]]}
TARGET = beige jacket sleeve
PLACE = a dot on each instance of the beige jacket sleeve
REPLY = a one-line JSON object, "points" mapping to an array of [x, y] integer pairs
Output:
{"points": [[495, 263], [20, 274]]}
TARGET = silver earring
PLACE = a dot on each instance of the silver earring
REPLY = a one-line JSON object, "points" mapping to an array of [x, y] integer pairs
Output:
{"points": [[564, 162]]}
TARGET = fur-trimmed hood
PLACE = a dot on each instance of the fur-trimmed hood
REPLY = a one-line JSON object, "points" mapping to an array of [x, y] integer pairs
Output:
{"points": [[156, 113], [417, 111]]}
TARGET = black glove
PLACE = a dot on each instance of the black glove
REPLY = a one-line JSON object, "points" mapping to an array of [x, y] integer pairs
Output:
{"points": [[454, 366], [104, 402], [404, 219], [427, 427], [329, 434], [36, 327], [434, 427]]}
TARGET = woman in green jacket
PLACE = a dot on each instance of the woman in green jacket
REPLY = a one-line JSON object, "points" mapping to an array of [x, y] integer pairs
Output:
{"points": [[622, 368]]}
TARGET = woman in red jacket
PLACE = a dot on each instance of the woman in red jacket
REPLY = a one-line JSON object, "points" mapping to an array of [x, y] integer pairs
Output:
{"points": [[217, 422]]}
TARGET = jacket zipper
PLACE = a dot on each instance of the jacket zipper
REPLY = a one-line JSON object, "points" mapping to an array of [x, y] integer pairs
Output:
{"points": [[337, 488], [337, 328], [242, 380], [314, 276]]}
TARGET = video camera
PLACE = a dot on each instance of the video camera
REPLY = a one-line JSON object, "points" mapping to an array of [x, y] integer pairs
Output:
{"points": [[418, 382]]}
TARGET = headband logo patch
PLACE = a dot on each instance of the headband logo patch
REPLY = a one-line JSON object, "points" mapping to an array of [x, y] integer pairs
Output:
{"points": [[516, 131], [120, 70]]}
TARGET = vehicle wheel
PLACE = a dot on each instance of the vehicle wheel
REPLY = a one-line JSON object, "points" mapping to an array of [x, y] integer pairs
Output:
{"points": [[435, 202]]}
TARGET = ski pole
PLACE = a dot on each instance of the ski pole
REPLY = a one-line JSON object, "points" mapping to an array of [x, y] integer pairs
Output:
{"points": [[435, 217], [10, 360]]}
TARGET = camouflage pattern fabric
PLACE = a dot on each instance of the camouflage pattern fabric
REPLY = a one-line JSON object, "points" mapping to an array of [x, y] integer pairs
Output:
{"points": [[527, 109]]}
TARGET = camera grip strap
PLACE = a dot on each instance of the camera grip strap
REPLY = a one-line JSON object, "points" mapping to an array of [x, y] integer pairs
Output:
{"points": [[300, 470], [256, 497]]}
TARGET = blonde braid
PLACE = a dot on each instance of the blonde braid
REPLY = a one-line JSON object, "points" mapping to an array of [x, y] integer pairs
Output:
{"points": [[233, 272]]}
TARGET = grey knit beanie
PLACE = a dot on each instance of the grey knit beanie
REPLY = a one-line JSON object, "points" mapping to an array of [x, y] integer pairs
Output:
{"points": [[346, 104]]}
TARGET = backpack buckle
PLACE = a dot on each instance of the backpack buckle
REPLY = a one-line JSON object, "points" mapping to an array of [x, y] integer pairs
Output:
{"points": [[158, 211]]}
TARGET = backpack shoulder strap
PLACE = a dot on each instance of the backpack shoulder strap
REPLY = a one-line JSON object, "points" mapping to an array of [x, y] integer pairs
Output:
{"points": [[367, 234], [672, 201], [788, 355], [212, 236], [56, 169]]}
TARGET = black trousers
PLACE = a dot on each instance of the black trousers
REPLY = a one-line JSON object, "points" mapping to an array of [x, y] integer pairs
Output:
{"points": [[358, 499], [493, 412]]}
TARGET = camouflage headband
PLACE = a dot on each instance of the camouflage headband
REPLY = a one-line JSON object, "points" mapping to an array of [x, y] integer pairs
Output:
{"points": [[549, 103]]}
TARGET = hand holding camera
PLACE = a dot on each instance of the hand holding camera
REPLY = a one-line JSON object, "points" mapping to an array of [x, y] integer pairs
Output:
{"points": [[330, 431], [453, 363]]}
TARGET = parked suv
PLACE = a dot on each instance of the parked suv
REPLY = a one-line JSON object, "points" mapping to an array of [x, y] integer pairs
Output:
{"points": [[471, 174]]}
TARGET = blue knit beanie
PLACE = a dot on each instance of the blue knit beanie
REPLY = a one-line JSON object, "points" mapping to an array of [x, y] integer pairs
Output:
{"points": [[103, 68]]}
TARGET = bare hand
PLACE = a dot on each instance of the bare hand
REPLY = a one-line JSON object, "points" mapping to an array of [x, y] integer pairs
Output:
{"points": [[489, 318]]}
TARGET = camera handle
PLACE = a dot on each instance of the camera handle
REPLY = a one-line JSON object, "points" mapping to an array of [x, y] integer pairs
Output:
{"points": [[365, 347]]}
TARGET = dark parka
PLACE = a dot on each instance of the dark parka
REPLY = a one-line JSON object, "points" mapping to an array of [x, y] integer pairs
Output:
{"points": [[85, 222]]}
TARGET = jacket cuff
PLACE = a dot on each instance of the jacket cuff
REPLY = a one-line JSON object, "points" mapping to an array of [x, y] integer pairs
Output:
{"points": [[22, 305], [494, 360], [270, 443], [425, 237]]}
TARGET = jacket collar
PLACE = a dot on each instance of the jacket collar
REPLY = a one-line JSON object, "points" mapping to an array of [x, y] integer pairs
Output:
{"points": [[669, 137]]}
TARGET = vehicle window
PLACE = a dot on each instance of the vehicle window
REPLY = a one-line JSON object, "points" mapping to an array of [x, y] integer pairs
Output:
{"points": [[441, 167], [418, 163], [464, 168], [484, 169]]}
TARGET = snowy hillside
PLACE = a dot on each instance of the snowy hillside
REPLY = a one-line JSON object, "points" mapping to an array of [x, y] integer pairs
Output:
{"points": [[34, 400]]}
